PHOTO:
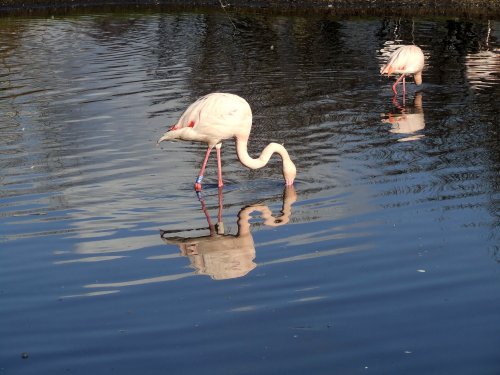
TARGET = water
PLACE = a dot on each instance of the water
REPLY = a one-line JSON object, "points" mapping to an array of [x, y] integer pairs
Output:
{"points": [[383, 258]]}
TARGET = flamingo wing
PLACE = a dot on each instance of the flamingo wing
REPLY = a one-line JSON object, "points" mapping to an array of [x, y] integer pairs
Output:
{"points": [[217, 115], [405, 60]]}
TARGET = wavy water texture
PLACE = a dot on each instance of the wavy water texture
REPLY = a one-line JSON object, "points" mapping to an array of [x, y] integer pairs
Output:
{"points": [[389, 248]]}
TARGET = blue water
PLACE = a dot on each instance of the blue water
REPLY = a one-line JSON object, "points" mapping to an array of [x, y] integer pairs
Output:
{"points": [[383, 258]]}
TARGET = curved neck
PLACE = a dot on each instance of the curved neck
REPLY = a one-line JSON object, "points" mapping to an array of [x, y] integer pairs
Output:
{"points": [[288, 169], [265, 155], [418, 78]]}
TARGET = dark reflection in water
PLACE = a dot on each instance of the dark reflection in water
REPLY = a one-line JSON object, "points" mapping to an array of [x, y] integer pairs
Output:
{"points": [[392, 247], [225, 256]]}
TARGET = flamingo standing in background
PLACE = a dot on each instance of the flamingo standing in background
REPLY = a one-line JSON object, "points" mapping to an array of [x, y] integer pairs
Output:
{"points": [[405, 60], [218, 116]]}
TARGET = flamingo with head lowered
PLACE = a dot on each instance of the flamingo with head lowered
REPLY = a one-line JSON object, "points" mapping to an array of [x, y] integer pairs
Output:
{"points": [[405, 60], [219, 116]]}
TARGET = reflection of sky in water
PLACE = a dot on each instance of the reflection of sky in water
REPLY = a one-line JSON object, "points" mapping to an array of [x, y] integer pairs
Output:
{"points": [[483, 67], [87, 143]]}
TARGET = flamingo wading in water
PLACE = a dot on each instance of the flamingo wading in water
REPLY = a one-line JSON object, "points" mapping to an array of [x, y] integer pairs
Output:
{"points": [[405, 60], [219, 116]]}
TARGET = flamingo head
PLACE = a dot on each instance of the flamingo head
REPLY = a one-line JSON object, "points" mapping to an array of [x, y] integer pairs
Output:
{"points": [[168, 135], [418, 78], [289, 172]]}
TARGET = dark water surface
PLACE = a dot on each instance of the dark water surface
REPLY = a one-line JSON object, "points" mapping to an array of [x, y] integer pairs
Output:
{"points": [[384, 259]]}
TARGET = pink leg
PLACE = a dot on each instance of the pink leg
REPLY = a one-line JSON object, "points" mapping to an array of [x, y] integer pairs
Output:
{"points": [[219, 165], [396, 83], [197, 184]]}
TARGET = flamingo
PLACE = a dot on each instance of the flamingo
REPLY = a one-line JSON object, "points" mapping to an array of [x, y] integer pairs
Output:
{"points": [[405, 60], [219, 116]]}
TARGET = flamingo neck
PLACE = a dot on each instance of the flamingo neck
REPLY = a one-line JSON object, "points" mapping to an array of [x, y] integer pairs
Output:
{"points": [[418, 78], [289, 170]]}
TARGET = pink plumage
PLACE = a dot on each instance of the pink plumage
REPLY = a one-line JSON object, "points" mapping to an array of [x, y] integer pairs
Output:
{"points": [[219, 116], [405, 60]]}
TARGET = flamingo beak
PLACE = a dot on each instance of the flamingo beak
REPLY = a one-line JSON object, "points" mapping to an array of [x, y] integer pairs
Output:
{"points": [[161, 139], [167, 135]]}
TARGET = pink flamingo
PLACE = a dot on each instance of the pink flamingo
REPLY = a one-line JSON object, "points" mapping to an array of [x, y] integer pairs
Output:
{"points": [[405, 60], [218, 116]]}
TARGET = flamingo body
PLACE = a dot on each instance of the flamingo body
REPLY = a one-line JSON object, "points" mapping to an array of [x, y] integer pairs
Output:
{"points": [[212, 119], [219, 116], [405, 60]]}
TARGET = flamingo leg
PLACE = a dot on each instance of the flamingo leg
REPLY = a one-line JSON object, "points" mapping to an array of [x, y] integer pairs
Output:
{"points": [[197, 184], [219, 165], [396, 83]]}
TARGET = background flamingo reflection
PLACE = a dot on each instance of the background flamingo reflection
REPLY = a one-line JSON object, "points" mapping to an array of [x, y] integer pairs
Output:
{"points": [[408, 120]]}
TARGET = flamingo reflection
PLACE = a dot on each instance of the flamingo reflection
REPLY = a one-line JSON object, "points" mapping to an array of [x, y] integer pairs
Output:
{"points": [[226, 256], [409, 120]]}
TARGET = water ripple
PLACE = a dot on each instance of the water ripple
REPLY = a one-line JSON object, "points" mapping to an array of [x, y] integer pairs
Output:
{"points": [[386, 188]]}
